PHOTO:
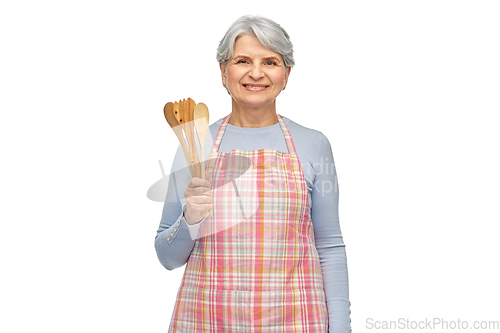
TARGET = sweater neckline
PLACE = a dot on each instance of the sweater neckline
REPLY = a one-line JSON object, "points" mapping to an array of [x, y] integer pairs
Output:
{"points": [[253, 130]]}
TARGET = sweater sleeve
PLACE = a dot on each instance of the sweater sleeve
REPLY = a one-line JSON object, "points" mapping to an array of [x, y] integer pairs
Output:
{"points": [[173, 241], [329, 242]]}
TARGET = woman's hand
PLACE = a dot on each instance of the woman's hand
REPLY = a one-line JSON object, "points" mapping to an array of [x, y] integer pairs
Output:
{"points": [[198, 199]]}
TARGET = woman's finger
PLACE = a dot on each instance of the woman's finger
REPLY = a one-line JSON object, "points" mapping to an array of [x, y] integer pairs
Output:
{"points": [[198, 182], [197, 187]]}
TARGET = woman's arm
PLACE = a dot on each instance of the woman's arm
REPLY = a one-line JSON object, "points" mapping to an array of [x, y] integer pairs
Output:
{"points": [[173, 240], [329, 242]]}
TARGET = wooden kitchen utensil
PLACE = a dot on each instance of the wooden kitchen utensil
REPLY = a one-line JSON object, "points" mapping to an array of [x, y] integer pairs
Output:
{"points": [[185, 115], [201, 122], [186, 119], [168, 111]]}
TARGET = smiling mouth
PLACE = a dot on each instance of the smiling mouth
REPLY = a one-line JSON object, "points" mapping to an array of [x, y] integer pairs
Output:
{"points": [[255, 87]]}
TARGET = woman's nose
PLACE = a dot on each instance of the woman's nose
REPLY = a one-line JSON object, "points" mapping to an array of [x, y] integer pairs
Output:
{"points": [[256, 72]]}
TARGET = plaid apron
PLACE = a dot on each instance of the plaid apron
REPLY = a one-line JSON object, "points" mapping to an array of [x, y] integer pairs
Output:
{"points": [[256, 270]]}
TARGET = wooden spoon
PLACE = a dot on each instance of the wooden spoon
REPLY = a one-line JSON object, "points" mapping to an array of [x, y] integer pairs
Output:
{"points": [[201, 121], [186, 119], [168, 111]]}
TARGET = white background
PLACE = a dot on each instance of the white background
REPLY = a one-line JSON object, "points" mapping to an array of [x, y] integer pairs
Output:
{"points": [[406, 91]]}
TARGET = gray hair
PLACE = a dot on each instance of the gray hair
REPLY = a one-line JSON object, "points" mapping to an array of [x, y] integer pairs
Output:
{"points": [[269, 33]]}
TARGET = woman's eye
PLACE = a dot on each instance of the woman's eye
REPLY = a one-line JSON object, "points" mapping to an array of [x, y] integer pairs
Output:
{"points": [[270, 63], [242, 62]]}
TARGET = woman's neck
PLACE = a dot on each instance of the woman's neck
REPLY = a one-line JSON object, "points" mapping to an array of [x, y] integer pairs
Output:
{"points": [[253, 117]]}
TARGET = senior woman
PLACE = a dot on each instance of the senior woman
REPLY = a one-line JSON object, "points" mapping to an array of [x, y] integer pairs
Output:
{"points": [[271, 257]]}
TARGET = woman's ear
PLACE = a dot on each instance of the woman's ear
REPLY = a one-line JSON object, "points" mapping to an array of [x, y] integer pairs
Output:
{"points": [[287, 74], [223, 73]]}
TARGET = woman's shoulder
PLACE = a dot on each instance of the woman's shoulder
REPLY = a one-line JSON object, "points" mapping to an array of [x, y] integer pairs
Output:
{"points": [[307, 136]]}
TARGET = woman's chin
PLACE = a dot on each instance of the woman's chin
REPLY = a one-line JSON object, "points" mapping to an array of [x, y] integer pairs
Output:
{"points": [[254, 102]]}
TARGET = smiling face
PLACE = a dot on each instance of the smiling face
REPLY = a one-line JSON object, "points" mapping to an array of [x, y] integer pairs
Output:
{"points": [[254, 75]]}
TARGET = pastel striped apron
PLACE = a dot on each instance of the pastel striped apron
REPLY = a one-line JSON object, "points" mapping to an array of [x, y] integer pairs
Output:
{"points": [[263, 273]]}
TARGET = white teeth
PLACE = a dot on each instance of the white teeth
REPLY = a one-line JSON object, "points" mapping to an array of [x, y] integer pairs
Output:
{"points": [[247, 86]]}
